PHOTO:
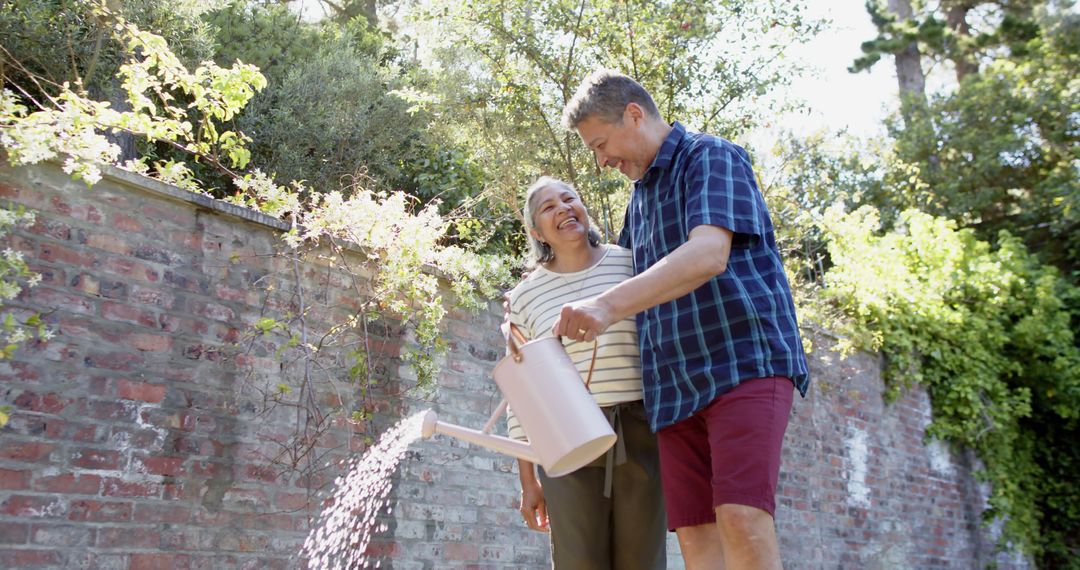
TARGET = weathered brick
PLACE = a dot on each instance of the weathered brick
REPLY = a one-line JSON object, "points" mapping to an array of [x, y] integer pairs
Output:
{"points": [[167, 466], [150, 342], [18, 558], [99, 511], [127, 314], [186, 283], [86, 213], [158, 561], [87, 284], [69, 483], [27, 451], [141, 391], [177, 324], [128, 537], [293, 501], [55, 300], [49, 275], [14, 479], [54, 229], [135, 489], [126, 223], [62, 535], [121, 361], [42, 403], [187, 239], [157, 254], [14, 532], [149, 296], [214, 311], [9, 191], [108, 242], [87, 458], [32, 506], [159, 513]]}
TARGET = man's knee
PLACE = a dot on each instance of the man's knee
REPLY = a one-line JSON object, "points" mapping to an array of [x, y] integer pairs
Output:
{"points": [[701, 546], [742, 520]]}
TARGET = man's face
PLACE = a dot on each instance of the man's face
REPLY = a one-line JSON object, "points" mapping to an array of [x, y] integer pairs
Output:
{"points": [[618, 145]]}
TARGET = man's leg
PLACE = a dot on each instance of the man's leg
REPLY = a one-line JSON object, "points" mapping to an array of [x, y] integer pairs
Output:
{"points": [[686, 474], [748, 536], [701, 546], [746, 433]]}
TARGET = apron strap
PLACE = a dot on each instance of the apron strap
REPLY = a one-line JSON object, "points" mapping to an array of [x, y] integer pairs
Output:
{"points": [[616, 454]]}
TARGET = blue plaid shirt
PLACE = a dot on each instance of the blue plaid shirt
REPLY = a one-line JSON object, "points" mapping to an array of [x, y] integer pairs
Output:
{"points": [[739, 325]]}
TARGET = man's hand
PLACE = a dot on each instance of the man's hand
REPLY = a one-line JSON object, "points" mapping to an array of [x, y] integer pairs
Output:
{"points": [[534, 507], [583, 320]]}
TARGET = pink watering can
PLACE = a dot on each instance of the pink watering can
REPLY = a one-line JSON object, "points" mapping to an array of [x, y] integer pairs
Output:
{"points": [[566, 428]]}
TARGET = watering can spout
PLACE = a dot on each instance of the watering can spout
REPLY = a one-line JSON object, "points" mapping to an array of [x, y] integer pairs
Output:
{"points": [[566, 428], [504, 445]]}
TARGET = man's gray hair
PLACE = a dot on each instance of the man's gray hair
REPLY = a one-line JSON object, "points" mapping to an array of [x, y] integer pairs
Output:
{"points": [[540, 252], [605, 94]]}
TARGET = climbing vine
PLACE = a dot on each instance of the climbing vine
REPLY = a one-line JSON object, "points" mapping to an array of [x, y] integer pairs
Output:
{"points": [[401, 251], [990, 334]]}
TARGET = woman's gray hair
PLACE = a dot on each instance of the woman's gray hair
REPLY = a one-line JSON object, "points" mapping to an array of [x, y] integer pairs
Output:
{"points": [[605, 94], [540, 252]]}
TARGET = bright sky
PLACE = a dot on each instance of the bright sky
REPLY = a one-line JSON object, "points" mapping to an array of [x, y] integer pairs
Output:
{"points": [[837, 99]]}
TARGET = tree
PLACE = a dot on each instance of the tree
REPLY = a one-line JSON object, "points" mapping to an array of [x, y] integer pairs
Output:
{"points": [[66, 41], [501, 72], [994, 153]]}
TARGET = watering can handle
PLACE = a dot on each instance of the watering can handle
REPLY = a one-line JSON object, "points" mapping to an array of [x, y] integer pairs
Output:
{"points": [[516, 336]]}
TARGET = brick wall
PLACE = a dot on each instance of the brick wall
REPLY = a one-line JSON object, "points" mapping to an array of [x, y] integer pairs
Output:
{"points": [[140, 435]]}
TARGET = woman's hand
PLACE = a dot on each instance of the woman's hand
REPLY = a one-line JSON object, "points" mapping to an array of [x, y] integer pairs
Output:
{"points": [[534, 507]]}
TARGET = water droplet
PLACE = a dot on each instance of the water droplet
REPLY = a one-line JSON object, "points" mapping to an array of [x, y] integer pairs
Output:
{"points": [[344, 530]]}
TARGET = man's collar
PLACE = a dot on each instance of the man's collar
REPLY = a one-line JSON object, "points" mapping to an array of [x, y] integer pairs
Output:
{"points": [[666, 154]]}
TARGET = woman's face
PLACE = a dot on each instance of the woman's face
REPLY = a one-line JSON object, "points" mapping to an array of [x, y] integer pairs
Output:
{"points": [[559, 217]]}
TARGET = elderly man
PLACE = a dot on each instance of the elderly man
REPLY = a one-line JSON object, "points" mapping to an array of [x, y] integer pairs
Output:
{"points": [[720, 346]]}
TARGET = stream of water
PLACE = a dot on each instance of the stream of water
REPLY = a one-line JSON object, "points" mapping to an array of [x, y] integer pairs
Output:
{"points": [[340, 538]]}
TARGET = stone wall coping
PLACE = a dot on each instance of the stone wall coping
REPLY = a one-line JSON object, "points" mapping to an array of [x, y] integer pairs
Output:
{"points": [[154, 186]]}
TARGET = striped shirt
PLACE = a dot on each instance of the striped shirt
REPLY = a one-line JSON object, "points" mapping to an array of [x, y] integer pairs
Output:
{"points": [[739, 325], [535, 304]]}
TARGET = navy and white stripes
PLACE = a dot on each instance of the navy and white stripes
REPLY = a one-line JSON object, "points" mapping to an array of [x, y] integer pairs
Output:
{"points": [[536, 302]]}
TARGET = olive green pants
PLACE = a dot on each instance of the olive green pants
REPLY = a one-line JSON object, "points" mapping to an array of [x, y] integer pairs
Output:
{"points": [[610, 514]]}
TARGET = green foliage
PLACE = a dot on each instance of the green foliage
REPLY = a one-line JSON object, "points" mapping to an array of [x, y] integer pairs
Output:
{"points": [[188, 111], [267, 36], [448, 176], [15, 277], [1001, 25], [156, 83], [989, 333], [333, 120], [1001, 152], [499, 73], [329, 115], [69, 41]]}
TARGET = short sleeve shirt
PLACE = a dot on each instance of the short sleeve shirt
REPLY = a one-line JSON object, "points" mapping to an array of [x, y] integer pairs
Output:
{"points": [[741, 324]]}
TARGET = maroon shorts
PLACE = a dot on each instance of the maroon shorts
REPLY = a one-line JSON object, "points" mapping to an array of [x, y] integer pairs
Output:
{"points": [[726, 453]]}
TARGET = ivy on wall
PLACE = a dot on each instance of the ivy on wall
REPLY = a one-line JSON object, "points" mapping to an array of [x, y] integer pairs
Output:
{"points": [[989, 333]]}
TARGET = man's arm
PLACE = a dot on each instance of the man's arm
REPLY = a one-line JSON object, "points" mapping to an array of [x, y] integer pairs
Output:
{"points": [[691, 265]]}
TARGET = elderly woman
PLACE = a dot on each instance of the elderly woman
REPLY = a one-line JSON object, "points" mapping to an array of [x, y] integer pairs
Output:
{"points": [[610, 513]]}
